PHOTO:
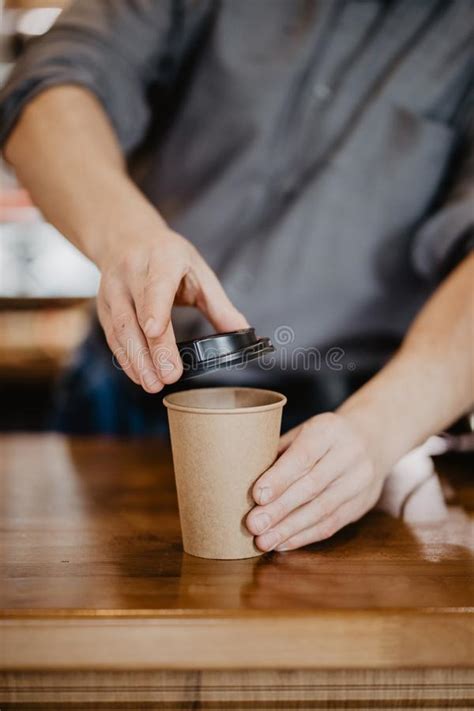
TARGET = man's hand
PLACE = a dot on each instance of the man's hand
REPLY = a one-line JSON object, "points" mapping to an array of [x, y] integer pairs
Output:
{"points": [[79, 180], [332, 468], [139, 285], [324, 478]]}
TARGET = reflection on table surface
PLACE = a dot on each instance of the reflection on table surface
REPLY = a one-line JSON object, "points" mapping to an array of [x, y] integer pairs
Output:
{"points": [[93, 525]]}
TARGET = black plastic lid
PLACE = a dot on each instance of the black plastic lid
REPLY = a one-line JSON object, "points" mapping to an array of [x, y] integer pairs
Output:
{"points": [[203, 355]]}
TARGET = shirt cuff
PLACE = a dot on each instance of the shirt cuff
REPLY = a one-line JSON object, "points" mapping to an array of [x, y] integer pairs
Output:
{"points": [[21, 88]]}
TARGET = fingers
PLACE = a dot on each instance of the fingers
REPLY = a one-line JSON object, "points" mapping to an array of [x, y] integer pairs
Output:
{"points": [[153, 297], [165, 356], [325, 465], [137, 294], [120, 358], [214, 302], [345, 489], [304, 489], [119, 354], [119, 320], [154, 300], [311, 443], [347, 513]]}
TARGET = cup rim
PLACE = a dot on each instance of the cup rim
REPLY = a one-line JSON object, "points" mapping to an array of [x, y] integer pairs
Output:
{"points": [[281, 402]]}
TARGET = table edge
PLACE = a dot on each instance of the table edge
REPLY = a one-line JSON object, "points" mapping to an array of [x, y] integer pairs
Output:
{"points": [[362, 639]]}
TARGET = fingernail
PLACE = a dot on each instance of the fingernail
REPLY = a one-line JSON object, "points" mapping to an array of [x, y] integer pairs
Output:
{"points": [[270, 540], [261, 522], [150, 326], [150, 380], [264, 495], [282, 549]]}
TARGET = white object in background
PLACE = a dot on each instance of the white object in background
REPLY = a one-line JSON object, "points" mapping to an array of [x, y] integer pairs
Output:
{"points": [[412, 490], [37, 261], [37, 21]]}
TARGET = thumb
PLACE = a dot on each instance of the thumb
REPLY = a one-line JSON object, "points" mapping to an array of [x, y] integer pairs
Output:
{"points": [[216, 305], [155, 301]]}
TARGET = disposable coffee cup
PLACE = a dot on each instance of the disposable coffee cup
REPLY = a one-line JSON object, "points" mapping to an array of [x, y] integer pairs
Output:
{"points": [[222, 440]]}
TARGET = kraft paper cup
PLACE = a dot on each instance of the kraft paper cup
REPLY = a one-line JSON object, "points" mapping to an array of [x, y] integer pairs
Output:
{"points": [[222, 439]]}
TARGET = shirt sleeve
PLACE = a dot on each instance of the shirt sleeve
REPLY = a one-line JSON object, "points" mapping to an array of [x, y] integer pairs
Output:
{"points": [[448, 234], [118, 49]]}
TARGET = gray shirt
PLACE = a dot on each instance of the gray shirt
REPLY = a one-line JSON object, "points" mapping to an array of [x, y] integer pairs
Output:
{"points": [[318, 153]]}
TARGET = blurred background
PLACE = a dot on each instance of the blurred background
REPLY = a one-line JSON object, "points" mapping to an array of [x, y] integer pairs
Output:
{"points": [[46, 286]]}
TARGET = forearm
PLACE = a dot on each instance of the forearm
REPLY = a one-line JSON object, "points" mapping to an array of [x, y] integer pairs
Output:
{"points": [[429, 382], [65, 152]]}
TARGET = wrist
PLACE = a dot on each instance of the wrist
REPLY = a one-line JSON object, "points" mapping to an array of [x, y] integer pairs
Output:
{"points": [[124, 220], [388, 426], [394, 411], [365, 419]]}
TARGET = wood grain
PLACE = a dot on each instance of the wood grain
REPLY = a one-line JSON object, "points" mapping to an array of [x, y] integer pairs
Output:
{"points": [[362, 689], [93, 576]]}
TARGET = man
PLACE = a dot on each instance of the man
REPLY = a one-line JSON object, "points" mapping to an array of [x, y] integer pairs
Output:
{"points": [[319, 157]]}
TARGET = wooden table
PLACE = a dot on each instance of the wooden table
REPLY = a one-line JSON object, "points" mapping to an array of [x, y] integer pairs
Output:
{"points": [[100, 606]]}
